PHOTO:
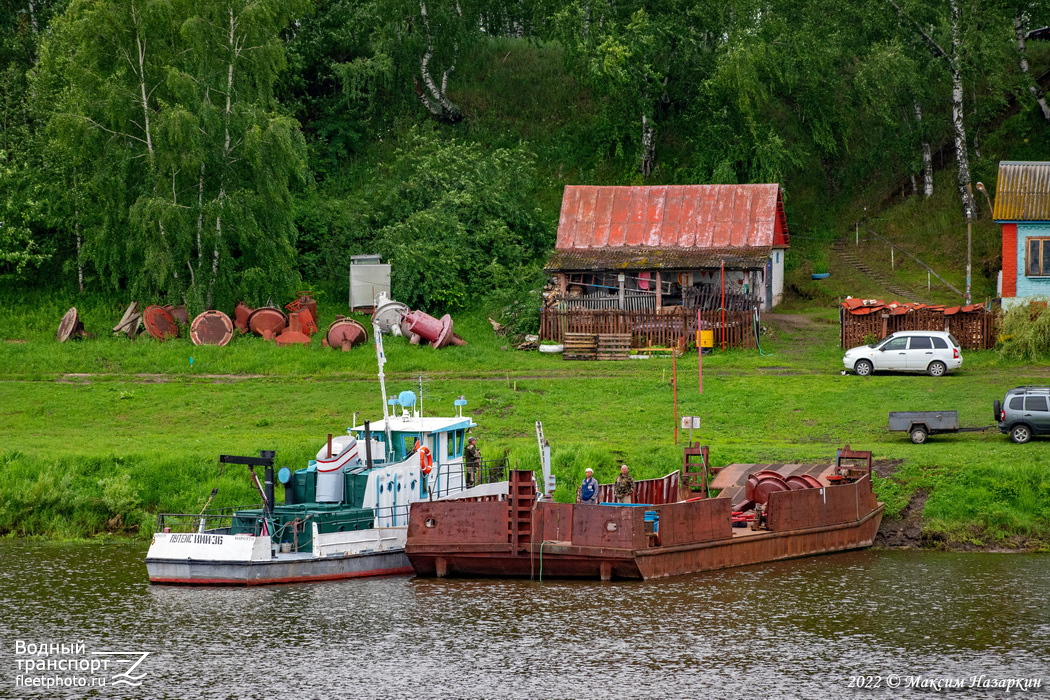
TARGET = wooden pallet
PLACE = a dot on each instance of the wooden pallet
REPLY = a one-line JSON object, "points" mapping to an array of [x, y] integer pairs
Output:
{"points": [[580, 346], [614, 346]]}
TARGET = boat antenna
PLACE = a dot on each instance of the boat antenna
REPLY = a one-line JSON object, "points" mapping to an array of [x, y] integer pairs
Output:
{"points": [[381, 360], [207, 503], [421, 396]]}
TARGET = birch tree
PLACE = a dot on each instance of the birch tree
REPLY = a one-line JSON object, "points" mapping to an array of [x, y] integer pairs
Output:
{"points": [[166, 109], [100, 69], [426, 41], [952, 61], [1022, 18], [894, 83], [642, 59]]}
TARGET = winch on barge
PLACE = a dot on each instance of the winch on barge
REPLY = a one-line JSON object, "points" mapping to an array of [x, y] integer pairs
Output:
{"points": [[760, 515]]}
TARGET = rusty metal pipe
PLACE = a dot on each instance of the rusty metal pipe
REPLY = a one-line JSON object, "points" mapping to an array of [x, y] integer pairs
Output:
{"points": [[368, 446]]}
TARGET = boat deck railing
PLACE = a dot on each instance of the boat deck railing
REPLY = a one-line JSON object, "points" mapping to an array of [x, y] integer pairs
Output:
{"points": [[488, 471], [225, 520], [217, 521]]}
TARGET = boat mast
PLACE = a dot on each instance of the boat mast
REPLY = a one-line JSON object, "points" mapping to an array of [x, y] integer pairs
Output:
{"points": [[421, 399], [381, 360], [545, 463]]}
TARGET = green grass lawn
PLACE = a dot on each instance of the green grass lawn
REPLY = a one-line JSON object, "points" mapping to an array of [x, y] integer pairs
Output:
{"points": [[99, 435]]}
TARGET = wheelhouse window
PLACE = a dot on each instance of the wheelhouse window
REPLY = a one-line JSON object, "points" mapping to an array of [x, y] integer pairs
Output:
{"points": [[455, 443], [405, 446], [1038, 263]]}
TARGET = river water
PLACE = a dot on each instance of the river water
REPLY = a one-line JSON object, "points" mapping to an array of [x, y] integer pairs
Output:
{"points": [[800, 629]]}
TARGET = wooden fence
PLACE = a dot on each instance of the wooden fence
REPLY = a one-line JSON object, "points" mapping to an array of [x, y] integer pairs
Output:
{"points": [[974, 331], [632, 301], [651, 329]]}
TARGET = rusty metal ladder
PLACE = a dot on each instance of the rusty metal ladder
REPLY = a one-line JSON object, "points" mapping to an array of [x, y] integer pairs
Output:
{"points": [[696, 468], [520, 500]]}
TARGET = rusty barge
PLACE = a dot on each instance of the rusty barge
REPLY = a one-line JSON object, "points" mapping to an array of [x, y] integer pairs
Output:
{"points": [[760, 515]]}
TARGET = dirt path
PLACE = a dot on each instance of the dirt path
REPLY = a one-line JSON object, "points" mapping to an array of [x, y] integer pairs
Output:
{"points": [[905, 531]]}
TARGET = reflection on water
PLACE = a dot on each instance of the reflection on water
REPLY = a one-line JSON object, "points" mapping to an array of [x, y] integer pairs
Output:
{"points": [[796, 629]]}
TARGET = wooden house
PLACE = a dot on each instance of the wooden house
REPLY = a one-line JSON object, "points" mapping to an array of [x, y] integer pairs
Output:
{"points": [[676, 249], [1022, 208]]}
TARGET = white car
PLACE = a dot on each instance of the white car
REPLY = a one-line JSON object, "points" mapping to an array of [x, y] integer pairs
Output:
{"points": [[933, 352]]}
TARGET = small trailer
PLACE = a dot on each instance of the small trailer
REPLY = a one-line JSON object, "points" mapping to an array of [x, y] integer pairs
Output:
{"points": [[922, 424]]}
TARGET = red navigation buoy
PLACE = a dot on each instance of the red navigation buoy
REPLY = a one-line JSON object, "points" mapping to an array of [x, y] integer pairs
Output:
{"points": [[241, 312], [293, 334], [346, 333], [160, 323], [267, 321], [211, 328], [70, 326]]}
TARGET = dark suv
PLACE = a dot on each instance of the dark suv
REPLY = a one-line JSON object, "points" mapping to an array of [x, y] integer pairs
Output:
{"points": [[1024, 412]]}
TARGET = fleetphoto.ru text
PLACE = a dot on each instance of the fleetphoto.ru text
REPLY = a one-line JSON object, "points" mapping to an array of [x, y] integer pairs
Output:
{"points": [[52, 665]]}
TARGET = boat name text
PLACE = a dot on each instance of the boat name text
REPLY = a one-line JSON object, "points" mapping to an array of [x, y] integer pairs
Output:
{"points": [[196, 538]]}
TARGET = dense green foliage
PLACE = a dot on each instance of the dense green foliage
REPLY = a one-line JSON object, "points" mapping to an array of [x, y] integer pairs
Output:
{"points": [[206, 152], [175, 163], [1025, 332]]}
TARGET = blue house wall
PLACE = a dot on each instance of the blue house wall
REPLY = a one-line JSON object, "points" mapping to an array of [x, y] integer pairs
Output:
{"points": [[1030, 286]]}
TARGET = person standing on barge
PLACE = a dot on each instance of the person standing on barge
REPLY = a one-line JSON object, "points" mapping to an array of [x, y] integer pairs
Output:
{"points": [[472, 458], [588, 489], [623, 489]]}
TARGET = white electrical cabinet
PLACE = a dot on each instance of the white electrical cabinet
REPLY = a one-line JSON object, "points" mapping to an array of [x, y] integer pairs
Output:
{"points": [[368, 278]]}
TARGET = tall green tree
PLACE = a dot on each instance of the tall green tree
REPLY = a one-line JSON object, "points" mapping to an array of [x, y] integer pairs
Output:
{"points": [[426, 42], [340, 80], [455, 220], [24, 200], [644, 59], [164, 110], [953, 33], [1023, 12]]}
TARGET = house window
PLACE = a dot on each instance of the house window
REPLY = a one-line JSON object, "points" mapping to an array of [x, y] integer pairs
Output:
{"points": [[1038, 263]]}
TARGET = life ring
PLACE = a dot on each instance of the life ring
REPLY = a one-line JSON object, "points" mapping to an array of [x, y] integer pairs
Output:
{"points": [[425, 460]]}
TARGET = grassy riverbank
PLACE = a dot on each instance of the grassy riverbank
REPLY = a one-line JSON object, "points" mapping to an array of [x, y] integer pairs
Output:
{"points": [[99, 435]]}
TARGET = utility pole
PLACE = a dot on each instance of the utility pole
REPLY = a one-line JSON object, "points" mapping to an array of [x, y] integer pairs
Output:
{"points": [[969, 244]]}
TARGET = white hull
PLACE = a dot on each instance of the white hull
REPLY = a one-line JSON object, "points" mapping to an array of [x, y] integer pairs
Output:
{"points": [[213, 559]]}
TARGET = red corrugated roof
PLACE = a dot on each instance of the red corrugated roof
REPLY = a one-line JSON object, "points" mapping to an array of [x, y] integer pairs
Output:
{"points": [[672, 217], [862, 307], [624, 258]]}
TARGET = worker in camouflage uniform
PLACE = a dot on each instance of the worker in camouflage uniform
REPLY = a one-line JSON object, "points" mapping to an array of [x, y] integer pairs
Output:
{"points": [[623, 489], [472, 459]]}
